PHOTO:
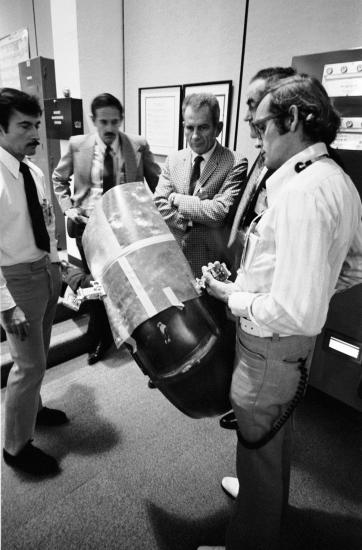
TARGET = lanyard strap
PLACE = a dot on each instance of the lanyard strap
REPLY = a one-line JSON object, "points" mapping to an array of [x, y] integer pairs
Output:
{"points": [[300, 166]]}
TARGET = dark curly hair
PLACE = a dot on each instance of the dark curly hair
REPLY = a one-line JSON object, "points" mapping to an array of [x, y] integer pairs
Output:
{"points": [[15, 100], [272, 75], [106, 100], [315, 109]]}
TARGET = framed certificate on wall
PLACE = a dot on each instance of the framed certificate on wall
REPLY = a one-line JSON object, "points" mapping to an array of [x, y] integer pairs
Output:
{"points": [[159, 117]]}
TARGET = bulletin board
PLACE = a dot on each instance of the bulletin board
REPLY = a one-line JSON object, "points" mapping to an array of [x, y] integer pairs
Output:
{"points": [[14, 48]]}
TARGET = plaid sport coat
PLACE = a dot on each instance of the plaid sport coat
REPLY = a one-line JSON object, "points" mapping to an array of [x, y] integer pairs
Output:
{"points": [[205, 241]]}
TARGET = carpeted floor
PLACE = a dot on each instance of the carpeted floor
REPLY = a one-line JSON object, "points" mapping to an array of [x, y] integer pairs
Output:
{"points": [[137, 474]]}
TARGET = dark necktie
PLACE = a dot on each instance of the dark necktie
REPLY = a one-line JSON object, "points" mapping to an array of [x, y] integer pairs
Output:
{"points": [[195, 174], [41, 235], [108, 171], [250, 213], [247, 198]]}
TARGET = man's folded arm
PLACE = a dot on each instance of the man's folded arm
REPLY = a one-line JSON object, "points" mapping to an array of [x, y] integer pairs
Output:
{"points": [[212, 212], [163, 199]]}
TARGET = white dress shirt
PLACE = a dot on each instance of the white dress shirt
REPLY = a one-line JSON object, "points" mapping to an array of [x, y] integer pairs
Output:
{"points": [[297, 249], [17, 243], [96, 189]]}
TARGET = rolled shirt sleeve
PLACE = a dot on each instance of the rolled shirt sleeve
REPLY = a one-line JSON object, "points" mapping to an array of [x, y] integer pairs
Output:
{"points": [[302, 241]]}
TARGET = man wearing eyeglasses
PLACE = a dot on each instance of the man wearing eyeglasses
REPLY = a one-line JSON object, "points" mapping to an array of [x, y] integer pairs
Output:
{"points": [[251, 199], [250, 203], [293, 257]]}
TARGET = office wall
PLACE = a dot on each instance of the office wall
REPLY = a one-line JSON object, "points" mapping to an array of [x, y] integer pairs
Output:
{"points": [[183, 42], [280, 29], [88, 37], [88, 49], [168, 42], [194, 41], [100, 31], [19, 14]]}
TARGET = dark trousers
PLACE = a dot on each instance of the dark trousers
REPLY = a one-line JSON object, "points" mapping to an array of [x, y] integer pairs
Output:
{"points": [[98, 327]]}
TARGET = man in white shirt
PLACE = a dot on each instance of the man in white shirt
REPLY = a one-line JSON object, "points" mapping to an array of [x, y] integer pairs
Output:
{"points": [[289, 270], [99, 161], [30, 281], [251, 200]]}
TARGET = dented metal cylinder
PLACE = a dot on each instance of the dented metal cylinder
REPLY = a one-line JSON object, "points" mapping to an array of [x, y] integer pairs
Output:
{"points": [[179, 338]]}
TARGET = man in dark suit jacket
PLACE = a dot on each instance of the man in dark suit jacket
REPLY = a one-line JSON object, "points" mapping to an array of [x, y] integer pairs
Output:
{"points": [[194, 194], [99, 161], [243, 211]]}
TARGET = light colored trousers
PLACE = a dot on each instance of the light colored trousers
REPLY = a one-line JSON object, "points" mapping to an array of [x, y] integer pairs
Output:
{"points": [[35, 288], [265, 380]]}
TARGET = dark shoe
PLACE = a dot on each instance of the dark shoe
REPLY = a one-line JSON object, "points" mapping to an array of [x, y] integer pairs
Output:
{"points": [[98, 353], [228, 421], [51, 417], [150, 384], [32, 461]]}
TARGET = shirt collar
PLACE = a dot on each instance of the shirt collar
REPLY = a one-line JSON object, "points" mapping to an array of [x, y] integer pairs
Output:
{"points": [[280, 177], [102, 146], [206, 156], [11, 163]]}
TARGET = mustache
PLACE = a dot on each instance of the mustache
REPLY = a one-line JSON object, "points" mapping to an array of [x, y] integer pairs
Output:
{"points": [[34, 142]]}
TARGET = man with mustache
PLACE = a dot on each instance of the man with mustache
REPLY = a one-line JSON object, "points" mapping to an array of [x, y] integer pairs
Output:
{"points": [[98, 162], [30, 281]]}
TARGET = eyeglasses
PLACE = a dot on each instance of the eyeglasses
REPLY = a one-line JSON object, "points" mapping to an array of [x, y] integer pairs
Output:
{"points": [[260, 125]]}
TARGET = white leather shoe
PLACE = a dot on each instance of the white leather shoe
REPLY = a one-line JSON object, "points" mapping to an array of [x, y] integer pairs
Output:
{"points": [[211, 548], [230, 486]]}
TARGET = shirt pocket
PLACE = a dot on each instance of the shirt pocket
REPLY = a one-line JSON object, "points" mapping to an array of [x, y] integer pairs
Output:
{"points": [[252, 245]]}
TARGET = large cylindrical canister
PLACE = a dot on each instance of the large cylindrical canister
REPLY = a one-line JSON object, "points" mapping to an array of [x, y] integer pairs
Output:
{"points": [[181, 339]]}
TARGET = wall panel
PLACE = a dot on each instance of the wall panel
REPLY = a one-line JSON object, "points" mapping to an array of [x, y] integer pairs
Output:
{"points": [[280, 29], [180, 42]]}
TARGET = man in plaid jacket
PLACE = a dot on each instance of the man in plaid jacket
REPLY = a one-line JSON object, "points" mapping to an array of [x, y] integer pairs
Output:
{"points": [[194, 193]]}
